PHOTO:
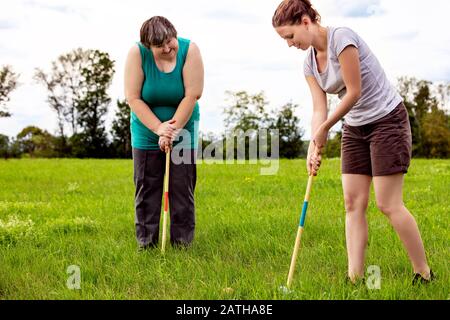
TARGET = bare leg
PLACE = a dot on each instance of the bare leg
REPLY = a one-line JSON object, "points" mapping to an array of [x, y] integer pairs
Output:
{"points": [[356, 195], [389, 197]]}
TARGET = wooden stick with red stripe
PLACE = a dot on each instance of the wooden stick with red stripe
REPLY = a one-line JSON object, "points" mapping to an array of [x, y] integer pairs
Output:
{"points": [[166, 201]]}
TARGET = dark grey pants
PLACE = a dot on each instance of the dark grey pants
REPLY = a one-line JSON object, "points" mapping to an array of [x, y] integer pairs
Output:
{"points": [[149, 168]]}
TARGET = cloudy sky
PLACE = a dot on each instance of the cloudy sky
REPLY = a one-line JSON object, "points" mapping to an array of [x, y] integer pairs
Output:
{"points": [[240, 49]]}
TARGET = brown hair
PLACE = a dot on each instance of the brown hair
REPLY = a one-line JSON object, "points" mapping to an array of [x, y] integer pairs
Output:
{"points": [[290, 12], [156, 30]]}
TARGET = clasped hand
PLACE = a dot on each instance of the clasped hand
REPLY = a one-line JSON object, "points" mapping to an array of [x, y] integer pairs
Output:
{"points": [[167, 132], [314, 159]]}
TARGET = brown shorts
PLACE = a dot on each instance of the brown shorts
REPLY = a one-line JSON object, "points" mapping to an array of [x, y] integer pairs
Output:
{"points": [[380, 148]]}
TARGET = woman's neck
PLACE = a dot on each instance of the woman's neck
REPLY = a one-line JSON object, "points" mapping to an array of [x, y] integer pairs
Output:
{"points": [[320, 38]]}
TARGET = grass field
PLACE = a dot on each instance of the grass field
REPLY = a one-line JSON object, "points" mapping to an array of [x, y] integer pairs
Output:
{"points": [[58, 213]]}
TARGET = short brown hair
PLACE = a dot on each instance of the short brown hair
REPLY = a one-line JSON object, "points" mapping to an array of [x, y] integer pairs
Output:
{"points": [[290, 12], [156, 30]]}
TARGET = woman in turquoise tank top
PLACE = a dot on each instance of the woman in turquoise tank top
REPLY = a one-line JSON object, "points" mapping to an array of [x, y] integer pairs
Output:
{"points": [[163, 83]]}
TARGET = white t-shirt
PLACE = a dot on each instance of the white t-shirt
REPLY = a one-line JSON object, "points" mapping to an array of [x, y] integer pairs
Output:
{"points": [[378, 95]]}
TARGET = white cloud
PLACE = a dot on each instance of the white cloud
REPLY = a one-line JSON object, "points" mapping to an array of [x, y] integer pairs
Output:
{"points": [[240, 49], [352, 8]]}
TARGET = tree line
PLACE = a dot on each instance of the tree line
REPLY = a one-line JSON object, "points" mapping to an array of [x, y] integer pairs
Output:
{"points": [[77, 85]]}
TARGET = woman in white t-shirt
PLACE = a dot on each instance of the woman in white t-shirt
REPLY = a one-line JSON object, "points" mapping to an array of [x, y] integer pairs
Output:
{"points": [[376, 140]]}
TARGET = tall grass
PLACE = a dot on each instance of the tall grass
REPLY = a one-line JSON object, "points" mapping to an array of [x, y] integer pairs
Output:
{"points": [[58, 213]]}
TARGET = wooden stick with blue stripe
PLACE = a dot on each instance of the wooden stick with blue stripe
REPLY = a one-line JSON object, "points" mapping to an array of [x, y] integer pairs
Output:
{"points": [[299, 232], [166, 201]]}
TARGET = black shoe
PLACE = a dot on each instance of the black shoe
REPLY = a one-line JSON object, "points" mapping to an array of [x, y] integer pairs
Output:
{"points": [[419, 279], [143, 248], [180, 245]]}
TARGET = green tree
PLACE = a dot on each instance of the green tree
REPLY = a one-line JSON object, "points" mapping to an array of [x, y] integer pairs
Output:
{"points": [[64, 85], [14, 148], [436, 134], [246, 111], [8, 82], [245, 115], [406, 87], [419, 101], [290, 133], [76, 88], [443, 94], [121, 133], [333, 146], [4, 146], [93, 106], [36, 142]]}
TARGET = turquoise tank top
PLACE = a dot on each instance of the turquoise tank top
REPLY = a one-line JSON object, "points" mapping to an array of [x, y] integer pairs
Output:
{"points": [[163, 93]]}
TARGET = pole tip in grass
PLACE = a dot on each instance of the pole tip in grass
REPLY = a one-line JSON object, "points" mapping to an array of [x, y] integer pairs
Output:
{"points": [[285, 290]]}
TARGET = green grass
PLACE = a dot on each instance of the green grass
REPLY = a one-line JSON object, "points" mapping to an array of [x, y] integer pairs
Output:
{"points": [[57, 213]]}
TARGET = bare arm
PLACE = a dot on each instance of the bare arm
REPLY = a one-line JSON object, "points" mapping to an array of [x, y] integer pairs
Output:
{"points": [[134, 78], [193, 75], [320, 111], [351, 74]]}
